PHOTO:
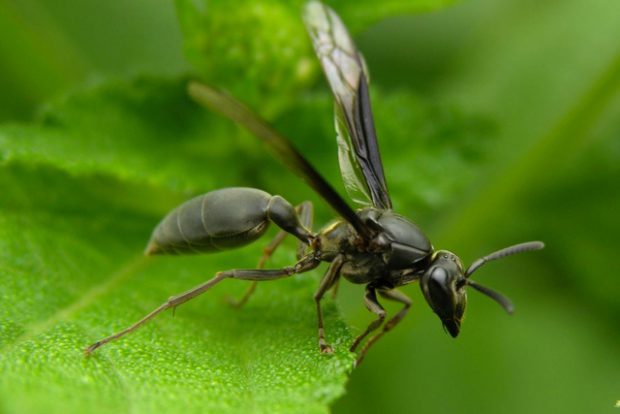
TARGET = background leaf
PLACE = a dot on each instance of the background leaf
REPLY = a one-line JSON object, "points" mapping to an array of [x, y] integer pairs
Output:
{"points": [[54, 45], [257, 48], [110, 124]]}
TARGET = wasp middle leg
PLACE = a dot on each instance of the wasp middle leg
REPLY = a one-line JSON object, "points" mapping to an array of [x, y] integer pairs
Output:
{"points": [[376, 308], [373, 305], [330, 277], [305, 213]]}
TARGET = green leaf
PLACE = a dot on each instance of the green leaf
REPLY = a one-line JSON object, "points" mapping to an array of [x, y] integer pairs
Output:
{"points": [[81, 192], [145, 131], [260, 50]]}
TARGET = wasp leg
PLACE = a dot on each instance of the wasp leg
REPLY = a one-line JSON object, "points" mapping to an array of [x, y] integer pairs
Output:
{"points": [[267, 252], [394, 295], [306, 263], [335, 288], [305, 213], [330, 277], [373, 305]]}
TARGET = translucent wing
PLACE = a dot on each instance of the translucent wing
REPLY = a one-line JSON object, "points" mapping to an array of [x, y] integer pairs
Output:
{"points": [[358, 152]]}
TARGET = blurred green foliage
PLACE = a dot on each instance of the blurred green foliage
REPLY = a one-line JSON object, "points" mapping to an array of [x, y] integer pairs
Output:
{"points": [[499, 122]]}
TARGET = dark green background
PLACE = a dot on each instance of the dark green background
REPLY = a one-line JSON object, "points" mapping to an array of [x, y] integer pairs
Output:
{"points": [[539, 81]]}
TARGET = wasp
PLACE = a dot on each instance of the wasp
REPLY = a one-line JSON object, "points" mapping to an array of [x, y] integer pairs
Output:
{"points": [[373, 245]]}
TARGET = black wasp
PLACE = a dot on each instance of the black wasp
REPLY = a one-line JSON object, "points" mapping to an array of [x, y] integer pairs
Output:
{"points": [[374, 245]]}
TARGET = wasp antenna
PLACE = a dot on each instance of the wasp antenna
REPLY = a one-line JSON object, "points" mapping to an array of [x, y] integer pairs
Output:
{"points": [[508, 251], [496, 296]]}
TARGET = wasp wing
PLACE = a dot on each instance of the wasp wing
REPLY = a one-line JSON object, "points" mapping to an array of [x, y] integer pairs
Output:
{"points": [[236, 111], [358, 151]]}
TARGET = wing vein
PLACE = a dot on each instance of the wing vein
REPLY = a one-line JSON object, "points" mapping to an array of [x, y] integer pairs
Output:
{"points": [[343, 65]]}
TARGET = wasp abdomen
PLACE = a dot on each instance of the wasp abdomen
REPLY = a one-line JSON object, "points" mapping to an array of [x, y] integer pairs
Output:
{"points": [[218, 220], [224, 219]]}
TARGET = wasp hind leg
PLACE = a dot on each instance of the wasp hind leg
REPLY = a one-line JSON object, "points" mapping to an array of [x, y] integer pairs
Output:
{"points": [[373, 305], [305, 213], [305, 264]]}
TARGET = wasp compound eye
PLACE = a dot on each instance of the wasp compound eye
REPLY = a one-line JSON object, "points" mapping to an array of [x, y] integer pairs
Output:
{"points": [[438, 286]]}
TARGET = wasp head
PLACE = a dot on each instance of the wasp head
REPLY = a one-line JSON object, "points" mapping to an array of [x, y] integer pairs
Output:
{"points": [[443, 286]]}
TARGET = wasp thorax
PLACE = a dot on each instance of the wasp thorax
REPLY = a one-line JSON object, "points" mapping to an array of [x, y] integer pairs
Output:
{"points": [[443, 286]]}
